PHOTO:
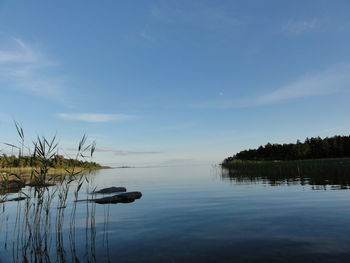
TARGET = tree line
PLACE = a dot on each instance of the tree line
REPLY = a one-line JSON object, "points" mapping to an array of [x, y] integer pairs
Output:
{"points": [[311, 148], [58, 161]]}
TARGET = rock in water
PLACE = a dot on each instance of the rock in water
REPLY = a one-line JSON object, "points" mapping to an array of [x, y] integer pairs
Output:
{"points": [[14, 184], [17, 199], [111, 190], [11, 186], [120, 198]]}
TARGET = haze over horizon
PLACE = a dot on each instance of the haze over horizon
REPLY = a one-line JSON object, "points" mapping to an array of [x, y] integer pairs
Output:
{"points": [[174, 82]]}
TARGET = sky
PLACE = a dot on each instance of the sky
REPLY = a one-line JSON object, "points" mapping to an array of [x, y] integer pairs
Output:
{"points": [[174, 82]]}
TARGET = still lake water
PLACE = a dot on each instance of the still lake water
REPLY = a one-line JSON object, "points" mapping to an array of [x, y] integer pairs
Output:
{"points": [[204, 214]]}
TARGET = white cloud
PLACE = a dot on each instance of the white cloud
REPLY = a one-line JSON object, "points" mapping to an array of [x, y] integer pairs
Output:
{"points": [[298, 27], [25, 68], [94, 117]]}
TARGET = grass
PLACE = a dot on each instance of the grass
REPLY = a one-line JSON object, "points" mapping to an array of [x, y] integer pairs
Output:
{"points": [[25, 172]]}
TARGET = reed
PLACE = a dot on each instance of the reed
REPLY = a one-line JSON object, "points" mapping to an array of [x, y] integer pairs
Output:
{"points": [[38, 233]]}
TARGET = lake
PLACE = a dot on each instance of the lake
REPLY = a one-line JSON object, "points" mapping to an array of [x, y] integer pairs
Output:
{"points": [[191, 214]]}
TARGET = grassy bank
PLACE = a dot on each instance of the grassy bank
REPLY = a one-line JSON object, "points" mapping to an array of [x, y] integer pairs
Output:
{"points": [[25, 172]]}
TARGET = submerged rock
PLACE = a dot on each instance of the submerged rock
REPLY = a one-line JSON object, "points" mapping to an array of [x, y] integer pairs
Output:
{"points": [[110, 190], [35, 184], [128, 197]]}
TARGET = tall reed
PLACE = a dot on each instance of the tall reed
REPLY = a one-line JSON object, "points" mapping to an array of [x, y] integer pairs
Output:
{"points": [[38, 227]]}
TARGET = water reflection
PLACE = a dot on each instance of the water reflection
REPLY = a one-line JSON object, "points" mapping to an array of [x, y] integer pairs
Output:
{"points": [[319, 178]]}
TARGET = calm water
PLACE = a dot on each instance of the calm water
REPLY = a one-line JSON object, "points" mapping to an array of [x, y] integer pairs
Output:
{"points": [[201, 214]]}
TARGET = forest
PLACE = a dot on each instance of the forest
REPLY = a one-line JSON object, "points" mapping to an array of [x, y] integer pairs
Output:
{"points": [[311, 148], [57, 161]]}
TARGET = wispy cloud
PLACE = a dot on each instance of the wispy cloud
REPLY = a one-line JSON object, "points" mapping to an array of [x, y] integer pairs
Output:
{"points": [[94, 117], [20, 54], [147, 36], [26, 68], [119, 151], [126, 152], [335, 79], [298, 27], [332, 80], [211, 18]]}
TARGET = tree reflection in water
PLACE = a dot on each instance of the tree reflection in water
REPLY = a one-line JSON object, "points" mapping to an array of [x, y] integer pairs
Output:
{"points": [[319, 177]]}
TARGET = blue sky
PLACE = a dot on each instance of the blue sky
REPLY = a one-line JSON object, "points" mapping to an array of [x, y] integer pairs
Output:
{"points": [[174, 82]]}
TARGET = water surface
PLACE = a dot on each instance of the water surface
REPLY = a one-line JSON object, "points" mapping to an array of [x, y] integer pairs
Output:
{"points": [[204, 214]]}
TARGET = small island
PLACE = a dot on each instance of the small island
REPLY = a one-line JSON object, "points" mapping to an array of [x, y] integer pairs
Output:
{"points": [[328, 151]]}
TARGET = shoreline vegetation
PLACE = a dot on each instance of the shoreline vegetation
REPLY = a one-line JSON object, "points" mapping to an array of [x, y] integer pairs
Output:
{"points": [[25, 172], [330, 151], [43, 160], [22, 167], [40, 165], [321, 163], [57, 162], [278, 163]]}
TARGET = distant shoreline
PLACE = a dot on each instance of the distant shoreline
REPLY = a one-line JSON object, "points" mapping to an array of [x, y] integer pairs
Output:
{"points": [[278, 163], [312, 148]]}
